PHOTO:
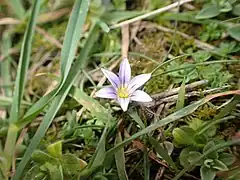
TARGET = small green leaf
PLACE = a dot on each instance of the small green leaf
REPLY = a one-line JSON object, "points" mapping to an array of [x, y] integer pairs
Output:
{"points": [[195, 123], [201, 56], [219, 165], [183, 157], [207, 173], [208, 163], [209, 145], [225, 7], [193, 156], [236, 10], [227, 158], [42, 157], [70, 164], [55, 149], [234, 32], [184, 135], [55, 172], [208, 12], [103, 26], [200, 140]]}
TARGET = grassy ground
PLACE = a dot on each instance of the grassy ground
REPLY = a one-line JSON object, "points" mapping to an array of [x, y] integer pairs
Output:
{"points": [[52, 126]]}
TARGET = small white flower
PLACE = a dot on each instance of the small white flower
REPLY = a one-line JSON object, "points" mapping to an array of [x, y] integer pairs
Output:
{"points": [[124, 89]]}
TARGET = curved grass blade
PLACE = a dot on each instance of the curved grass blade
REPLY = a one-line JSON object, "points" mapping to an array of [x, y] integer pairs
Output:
{"points": [[58, 100], [171, 118], [120, 159], [5, 65], [20, 80], [24, 63], [71, 39]]}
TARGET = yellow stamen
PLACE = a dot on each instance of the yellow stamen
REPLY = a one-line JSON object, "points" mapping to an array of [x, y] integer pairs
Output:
{"points": [[122, 92]]}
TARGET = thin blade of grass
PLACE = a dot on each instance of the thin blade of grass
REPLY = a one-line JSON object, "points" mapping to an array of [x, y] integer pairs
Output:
{"points": [[136, 118], [5, 65], [57, 102], [120, 159], [24, 63], [20, 81], [72, 37], [162, 152], [17, 8], [171, 118], [146, 164], [181, 97]]}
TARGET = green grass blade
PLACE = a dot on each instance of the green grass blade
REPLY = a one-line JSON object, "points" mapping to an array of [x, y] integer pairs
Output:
{"points": [[57, 102], [18, 8], [134, 115], [171, 118], [20, 82], [181, 96], [73, 35], [120, 159], [24, 63], [5, 65], [36, 109], [52, 111], [146, 162]]}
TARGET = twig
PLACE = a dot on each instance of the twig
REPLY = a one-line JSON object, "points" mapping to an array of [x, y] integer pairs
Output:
{"points": [[160, 173], [9, 20], [188, 87], [174, 98], [150, 14]]}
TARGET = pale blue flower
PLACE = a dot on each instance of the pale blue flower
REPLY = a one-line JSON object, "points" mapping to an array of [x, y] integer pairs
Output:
{"points": [[124, 89]]}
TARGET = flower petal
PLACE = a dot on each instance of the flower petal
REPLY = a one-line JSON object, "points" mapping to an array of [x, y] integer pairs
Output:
{"points": [[106, 92], [123, 102], [138, 81], [140, 96], [125, 72], [113, 78]]}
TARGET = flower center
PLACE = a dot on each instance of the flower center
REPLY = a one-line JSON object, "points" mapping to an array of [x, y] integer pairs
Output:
{"points": [[122, 92]]}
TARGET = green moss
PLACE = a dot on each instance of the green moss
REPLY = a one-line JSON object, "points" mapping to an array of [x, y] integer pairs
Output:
{"points": [[157, 84]]}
